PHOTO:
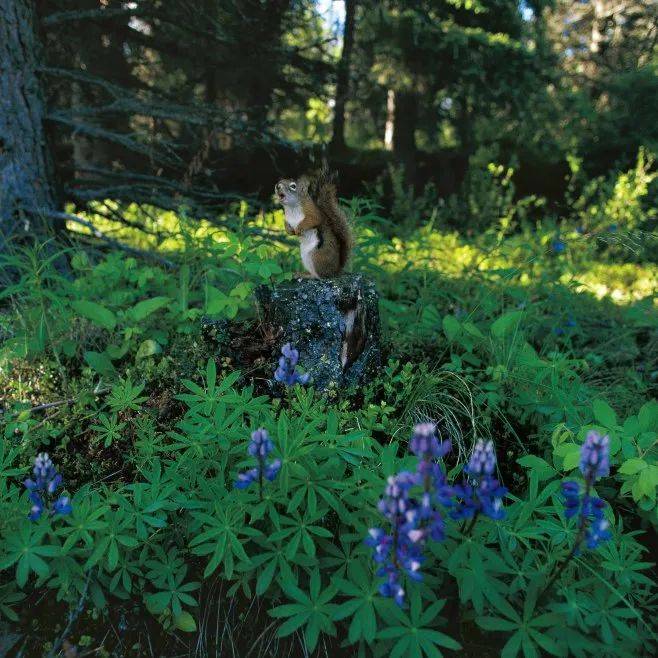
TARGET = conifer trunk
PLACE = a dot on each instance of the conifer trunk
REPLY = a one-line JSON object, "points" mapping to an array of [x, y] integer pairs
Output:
{"points": [[343, 79], [27, 192]]}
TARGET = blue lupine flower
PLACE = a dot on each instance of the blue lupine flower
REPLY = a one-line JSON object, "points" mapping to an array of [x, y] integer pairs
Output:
{"points": [[272, 470], [37, 508], [558, 246], [260, 447], [594, 463], [594, 456], [481, 492], [62, 505], [413, 519], [571, 493], [483, 459], [246, 478], [597, 531], [43, 487], [285, 372]]}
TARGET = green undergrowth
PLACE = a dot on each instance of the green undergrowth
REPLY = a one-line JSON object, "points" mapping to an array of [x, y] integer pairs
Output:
{"points": [[530, 334]]}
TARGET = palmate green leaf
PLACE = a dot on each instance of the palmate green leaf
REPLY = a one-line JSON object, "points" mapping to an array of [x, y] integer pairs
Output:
{"points": [[221, 538], [528, 636], [299, 531], [313, 610], [363, 590], [416, 634], [24, 549]]}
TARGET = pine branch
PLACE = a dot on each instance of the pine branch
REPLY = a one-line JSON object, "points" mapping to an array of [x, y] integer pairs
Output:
{"points": [[74, 15], [111, 242]]}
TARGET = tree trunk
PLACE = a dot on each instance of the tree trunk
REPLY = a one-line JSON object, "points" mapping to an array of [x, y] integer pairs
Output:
{"points": [[343, 79], [27, 192], [404, 132], [390, 120]]}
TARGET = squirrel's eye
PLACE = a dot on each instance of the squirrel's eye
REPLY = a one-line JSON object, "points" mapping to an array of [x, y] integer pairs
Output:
{"points": [[293, 186]]}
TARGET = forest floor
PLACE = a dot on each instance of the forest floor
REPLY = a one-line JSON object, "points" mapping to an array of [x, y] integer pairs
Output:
{"points": [[526, 334]]}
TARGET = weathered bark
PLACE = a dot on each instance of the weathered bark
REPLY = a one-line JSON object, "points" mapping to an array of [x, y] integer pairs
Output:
{"points": [[343, 79], [334, 323], [27, 192]]}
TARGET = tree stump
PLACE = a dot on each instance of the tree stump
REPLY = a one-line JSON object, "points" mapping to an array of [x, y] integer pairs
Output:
{"points": [[334, 323]]}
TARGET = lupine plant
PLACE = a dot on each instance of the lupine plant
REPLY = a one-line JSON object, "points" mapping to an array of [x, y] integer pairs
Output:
{"points": [[480, 492], [413, 504], [286, 372], [259, 447], [43, 488], [586, 508]]}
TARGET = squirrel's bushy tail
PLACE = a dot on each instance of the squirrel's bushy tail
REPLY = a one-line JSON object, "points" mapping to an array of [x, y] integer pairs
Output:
{"points": [[324, 191]]}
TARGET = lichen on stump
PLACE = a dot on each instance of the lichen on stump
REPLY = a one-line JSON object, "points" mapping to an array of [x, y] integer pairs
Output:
{"points": [[334, 323]]}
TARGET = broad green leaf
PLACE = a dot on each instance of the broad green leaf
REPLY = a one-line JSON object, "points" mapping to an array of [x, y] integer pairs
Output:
{"points": [[632, 466], [506, 324], [185, 622], [143, 309], [100, 362], [96, 313], [451, 327], [604, 413]]}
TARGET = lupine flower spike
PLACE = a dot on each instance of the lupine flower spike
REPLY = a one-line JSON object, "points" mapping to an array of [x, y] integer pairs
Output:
{"points": [[259, 447], [588, 509], [594, 464], [43, 487], [286, 372], [480, 493], [413, 519]]}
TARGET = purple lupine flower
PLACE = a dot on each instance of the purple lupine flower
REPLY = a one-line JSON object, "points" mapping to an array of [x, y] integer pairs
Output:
{"points": [[594, 456], [286, 371], [413, 519], [400, 551], [246, 478], [260, 447], [481, 492], [571, 493], [597, 531], [483, 459], [62, 505], [594, 464], [272, 470], [43, 487], [37, 508]]}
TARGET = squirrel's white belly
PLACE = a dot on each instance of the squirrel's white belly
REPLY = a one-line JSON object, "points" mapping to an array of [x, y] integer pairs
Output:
{"points": [[308, 243]]}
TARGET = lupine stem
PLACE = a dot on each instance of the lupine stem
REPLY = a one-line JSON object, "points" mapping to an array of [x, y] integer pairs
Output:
{"points": [[559, 567], [471, 524], [261, 469]]}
